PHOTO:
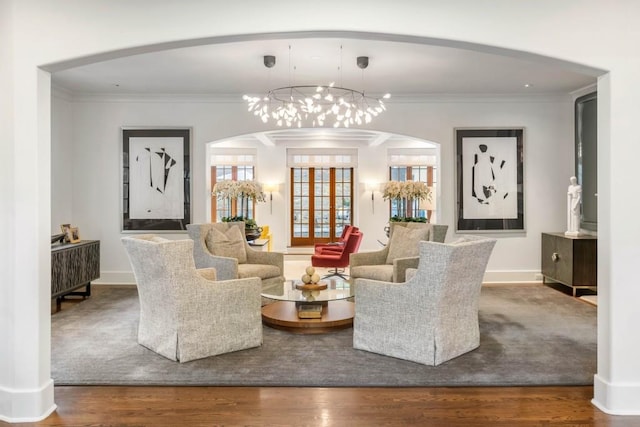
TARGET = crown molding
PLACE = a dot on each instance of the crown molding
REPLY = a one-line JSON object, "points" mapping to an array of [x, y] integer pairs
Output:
{"points": [[237, 99]]}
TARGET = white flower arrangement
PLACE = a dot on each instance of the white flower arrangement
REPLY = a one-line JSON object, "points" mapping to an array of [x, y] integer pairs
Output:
{"points": [[405, 193], [239, 189], [413, 190]]}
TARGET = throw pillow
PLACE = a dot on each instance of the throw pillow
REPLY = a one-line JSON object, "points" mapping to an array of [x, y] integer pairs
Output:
{"points": [[421, 225], [228, 244], [404, 242]]}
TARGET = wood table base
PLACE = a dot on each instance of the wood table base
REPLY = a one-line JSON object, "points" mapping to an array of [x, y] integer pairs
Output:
{"points": [[283, 315]]}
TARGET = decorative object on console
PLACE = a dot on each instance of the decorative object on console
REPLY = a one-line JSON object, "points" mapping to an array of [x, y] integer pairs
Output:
{"points": [[490, 180], [58, 238], [574, 204], [65, 228], [313, 105], [73, 235]]}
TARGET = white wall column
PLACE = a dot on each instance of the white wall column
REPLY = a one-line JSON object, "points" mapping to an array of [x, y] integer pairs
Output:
{"points": [[26, 389], [617, 382]]}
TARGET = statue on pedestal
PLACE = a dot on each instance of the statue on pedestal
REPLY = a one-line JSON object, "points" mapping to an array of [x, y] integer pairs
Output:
{"points": [[574, 201]]}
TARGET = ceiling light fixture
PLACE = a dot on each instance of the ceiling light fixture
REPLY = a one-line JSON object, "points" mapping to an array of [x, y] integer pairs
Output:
{"points": [[310, 105]]}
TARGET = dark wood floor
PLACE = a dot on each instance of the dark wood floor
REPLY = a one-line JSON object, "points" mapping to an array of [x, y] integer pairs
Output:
{"points": [[290, 406]]}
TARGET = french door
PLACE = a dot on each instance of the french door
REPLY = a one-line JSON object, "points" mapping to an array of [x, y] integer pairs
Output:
{"points": [[321, 204]]}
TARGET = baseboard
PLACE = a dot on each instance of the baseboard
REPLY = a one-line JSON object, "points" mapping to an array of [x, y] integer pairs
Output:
{"points": [[616, 399], [512, 276], [26, 406], [115, 278]]}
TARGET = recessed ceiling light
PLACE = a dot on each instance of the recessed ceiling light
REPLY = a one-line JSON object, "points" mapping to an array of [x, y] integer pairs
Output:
{"points": [[528, 85]]}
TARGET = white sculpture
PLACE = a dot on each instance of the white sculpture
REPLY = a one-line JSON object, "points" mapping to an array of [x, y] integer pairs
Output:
{"points": [[574, 200]]}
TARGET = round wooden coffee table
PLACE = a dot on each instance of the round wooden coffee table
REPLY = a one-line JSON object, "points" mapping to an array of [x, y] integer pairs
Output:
{"points": [[337, 313], [284, 315]]}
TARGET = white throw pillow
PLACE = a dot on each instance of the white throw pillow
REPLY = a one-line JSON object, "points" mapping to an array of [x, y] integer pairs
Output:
{"points": [[404, 242], [228, 244]]}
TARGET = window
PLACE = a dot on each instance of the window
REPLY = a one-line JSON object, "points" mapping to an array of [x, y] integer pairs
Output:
{"points": [[230, 164], [413, 165]]}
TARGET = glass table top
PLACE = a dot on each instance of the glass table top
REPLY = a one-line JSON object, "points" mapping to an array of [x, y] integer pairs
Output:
{"points": [[337, 289]]}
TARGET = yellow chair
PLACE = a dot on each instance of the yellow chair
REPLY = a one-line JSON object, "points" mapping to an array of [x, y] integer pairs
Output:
{"points": [[266, 234]]}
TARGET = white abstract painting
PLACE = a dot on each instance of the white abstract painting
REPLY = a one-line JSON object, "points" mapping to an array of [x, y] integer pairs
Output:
{"points": [[490, 186], [156, 168]]}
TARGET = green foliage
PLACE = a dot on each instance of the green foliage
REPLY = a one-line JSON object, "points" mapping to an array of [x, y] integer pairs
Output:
{"points": [[248, 223], [397, 218]]}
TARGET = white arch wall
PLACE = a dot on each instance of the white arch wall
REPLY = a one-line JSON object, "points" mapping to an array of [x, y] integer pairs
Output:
{"points": [[586, 32]]}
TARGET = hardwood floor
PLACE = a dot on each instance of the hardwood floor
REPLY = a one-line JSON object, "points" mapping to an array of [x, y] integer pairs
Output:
{"points": [[290, 406]]}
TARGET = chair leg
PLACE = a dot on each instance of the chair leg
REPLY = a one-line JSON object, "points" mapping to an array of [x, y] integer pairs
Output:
{"points": [[335, 272]]}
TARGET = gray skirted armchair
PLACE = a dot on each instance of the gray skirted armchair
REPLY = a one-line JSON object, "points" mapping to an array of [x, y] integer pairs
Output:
{"points": [[223, 246], [185, 313], [391, 262], [433, 316]]}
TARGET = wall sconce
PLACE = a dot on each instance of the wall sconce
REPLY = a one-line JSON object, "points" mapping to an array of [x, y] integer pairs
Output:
{"points": [[429, 205], [270, 188], [372, 187]]}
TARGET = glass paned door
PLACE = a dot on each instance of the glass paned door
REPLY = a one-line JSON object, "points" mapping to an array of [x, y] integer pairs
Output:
{"points": [[321, 204]]}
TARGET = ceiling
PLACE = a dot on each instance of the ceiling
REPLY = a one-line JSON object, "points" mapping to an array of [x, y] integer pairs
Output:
{"points": [[400, 68]]}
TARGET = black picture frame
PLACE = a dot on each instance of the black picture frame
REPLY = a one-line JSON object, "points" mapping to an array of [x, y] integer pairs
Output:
{"points": [[490, 180], [156, 180], [586, 158]]}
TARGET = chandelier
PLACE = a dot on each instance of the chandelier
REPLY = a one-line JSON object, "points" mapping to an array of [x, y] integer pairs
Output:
{"points": [[312, 105]]}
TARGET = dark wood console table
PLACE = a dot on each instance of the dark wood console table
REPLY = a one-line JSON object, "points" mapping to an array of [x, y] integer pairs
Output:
{"points": [[572, 261], [73, 266]]}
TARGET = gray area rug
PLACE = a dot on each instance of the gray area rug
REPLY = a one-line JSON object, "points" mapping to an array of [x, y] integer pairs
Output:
{"points": [[530, 335]]}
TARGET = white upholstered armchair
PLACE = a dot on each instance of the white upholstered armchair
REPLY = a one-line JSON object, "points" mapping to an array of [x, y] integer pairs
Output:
{"points": [[391, 262], [433, 316], [185, 314], [223, 246]]}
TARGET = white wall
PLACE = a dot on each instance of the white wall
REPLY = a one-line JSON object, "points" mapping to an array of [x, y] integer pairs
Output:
{"points": [[588, 33], [62, 148], [94, 177]]}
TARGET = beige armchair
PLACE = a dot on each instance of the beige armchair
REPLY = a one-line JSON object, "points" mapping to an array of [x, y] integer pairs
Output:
{"points": [[223, 246], [390, 263], [184, 314], [433, 316]]}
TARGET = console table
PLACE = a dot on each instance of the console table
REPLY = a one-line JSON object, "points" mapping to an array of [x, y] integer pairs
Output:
{"points": [[73, 266], [570, 260]]}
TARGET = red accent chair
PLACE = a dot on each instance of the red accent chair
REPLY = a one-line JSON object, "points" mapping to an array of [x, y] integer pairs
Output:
{"points": [[338, 260], [338, 245]]}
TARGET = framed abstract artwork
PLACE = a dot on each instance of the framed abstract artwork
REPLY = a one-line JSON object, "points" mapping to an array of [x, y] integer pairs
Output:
{"points": [[490, 180], [156, 179]]}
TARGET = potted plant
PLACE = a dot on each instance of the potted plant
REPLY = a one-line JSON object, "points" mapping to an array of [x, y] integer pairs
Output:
{"points": [[405, 194], [244, 192]]}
